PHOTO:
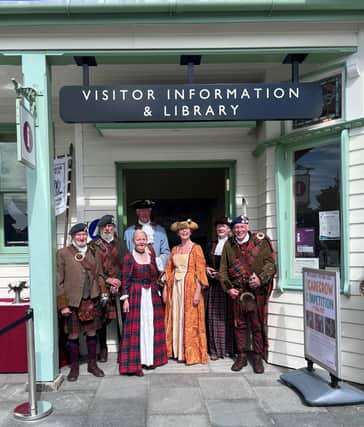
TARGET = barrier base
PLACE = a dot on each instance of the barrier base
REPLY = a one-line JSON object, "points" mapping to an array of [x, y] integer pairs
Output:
{"points": [[23, 411], [316, 391]]}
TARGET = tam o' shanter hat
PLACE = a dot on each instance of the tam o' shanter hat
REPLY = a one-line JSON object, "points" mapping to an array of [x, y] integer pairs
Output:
{"points": [[241, 219], [106, 219], [81, 226], [142, 203], [180, 225]]}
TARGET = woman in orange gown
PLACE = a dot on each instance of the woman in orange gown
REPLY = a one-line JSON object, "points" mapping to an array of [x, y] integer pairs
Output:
{"points": [[185, 313]]}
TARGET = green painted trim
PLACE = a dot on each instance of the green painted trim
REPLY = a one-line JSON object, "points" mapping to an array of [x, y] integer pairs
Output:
{"points": [[179, 11], [121, 167], [345, 206], [174, 125], [330, 68], [14, 259], [40, 192], [302, 136], [285, 209]]}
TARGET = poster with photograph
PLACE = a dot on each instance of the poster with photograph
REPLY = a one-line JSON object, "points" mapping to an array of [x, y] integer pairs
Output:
{"points": [[321, 298], [60, 171]]}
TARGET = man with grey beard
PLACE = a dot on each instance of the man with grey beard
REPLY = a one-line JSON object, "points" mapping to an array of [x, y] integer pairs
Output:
{"points": [[111, 252]]}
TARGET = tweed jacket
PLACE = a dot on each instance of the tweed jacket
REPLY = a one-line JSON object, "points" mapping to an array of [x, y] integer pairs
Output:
{"points": [[71, 278], [261, 260]]}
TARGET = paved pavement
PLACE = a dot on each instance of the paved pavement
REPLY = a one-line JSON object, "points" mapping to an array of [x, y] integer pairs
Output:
{"points": [[175, 396]]}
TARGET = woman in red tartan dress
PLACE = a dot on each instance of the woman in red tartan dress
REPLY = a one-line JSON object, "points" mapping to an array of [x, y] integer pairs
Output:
{"points": [[143, 340]]}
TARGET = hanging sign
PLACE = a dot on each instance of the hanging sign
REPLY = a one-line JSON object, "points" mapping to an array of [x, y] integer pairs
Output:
{"points": [[197, 102], [321, 291], [26, 137]]}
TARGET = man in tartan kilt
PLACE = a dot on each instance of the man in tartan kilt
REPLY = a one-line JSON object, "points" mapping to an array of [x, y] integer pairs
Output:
{"points": [[111, 252], [246, 273], [80, 292]]}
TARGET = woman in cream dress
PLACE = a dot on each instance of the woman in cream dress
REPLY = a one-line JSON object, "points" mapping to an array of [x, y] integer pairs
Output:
{"points": [[185, 313]]}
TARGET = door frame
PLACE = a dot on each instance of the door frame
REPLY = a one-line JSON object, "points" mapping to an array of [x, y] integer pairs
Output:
{"points": [[122, 167]]}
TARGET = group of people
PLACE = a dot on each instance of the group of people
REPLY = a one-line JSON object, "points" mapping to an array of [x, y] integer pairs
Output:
{"points": [[180, 304]]}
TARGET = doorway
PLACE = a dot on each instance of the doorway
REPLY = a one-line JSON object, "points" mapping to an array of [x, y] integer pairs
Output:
{"points": [[202, 191]]}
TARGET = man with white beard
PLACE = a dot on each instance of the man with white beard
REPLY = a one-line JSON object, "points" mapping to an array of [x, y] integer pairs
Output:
{"points": [[80, 290], [111, 251]]}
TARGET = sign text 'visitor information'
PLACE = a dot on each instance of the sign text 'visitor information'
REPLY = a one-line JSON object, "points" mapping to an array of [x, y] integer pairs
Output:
{"points": [[198, 102]]}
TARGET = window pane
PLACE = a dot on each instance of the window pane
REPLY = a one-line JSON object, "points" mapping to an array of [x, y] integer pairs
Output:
{"points": [[317, 204], [12, 173], [15, 219]]}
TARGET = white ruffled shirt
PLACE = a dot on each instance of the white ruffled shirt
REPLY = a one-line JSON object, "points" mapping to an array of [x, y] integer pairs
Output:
{"points": [[220, 245]]}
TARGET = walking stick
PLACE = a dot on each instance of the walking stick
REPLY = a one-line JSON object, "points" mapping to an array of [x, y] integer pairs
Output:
{"points": [[118, 313]]}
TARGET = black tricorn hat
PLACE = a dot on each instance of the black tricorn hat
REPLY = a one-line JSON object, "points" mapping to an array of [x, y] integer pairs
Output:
{"points": [[106, 219], [81, 226], [142, 203], [223, 220]]}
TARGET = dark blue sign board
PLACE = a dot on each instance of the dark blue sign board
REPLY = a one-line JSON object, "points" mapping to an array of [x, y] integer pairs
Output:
{"points": [[187, 103]]}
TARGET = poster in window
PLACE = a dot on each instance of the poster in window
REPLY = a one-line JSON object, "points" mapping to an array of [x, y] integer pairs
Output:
{"points": [[329, 223], [305, 241]]}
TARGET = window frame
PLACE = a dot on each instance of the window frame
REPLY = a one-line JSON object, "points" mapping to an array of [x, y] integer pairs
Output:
{"points": [[286, 209]]}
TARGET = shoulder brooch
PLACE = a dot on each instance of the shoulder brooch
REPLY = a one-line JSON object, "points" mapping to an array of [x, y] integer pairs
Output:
{"points": [[260, 235]]}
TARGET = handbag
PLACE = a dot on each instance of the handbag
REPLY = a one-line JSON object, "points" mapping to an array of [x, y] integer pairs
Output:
{"points": [[86, 310]]}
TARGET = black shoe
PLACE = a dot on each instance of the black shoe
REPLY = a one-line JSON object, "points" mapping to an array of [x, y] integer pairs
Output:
{"points": [[74, 373], [258, 366], [240, 362], [95, 370]]}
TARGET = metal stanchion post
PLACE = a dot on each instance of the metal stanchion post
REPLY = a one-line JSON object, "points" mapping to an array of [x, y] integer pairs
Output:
{"points": [[32, 410]]}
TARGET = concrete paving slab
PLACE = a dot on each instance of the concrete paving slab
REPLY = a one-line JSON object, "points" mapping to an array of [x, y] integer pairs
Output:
{"points": [[14, 378], [179, 380], [307, 420], [219, 388], [174, 367], [176, 400], [51, 421], [282, 400], [13, 392], [123, 420], [117, 407], [70, 402], [178, 421], [84, 382], [122, 387], [237, 413], [348, 415]]}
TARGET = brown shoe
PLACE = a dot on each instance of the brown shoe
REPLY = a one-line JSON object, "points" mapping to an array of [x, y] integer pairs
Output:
{"points": [[102, 357], [258, 366], [240, 362], [214, 357], [74, 373], [95, 370]]}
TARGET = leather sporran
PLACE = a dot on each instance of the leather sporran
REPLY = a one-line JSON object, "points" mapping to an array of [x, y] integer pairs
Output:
{"points": [[86, 310], [247, 301]]}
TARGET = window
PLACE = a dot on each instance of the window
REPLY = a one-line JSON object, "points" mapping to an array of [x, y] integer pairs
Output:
{"points": [[312, 226], [332, 103], [13, 202], [317, 205]]}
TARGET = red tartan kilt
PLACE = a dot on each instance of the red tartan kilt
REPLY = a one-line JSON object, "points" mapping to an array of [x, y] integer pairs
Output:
{"points": [[74, 326]]}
